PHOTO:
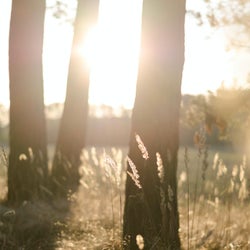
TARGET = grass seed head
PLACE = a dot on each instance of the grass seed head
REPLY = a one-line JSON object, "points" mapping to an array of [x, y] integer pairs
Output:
{"points": [[140, 241], [134, 175], [160, 167], [142, 147]]}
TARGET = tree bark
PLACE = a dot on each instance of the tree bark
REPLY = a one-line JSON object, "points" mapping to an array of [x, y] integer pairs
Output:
{"points": [[152, 211], [72, 132], [27, 172]]}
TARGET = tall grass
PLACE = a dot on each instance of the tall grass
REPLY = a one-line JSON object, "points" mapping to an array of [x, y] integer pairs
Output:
{"points": [[220, 219], [3, 172], [218, 193], [223, 195]]}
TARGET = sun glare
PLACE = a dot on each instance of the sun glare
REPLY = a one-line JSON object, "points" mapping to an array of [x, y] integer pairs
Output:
{"points": [[89, 49], [111, 48]]}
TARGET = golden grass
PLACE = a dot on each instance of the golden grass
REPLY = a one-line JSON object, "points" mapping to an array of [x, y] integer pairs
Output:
{"points": [[220, 220]]}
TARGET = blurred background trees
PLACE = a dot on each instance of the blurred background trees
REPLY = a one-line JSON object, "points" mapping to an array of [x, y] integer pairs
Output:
{"points": [[225, 114], [233, 16]]}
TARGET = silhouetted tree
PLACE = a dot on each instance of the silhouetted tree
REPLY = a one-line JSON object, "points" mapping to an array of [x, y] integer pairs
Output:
{"points": [[72, 132], [27, 170], [151, 211]]}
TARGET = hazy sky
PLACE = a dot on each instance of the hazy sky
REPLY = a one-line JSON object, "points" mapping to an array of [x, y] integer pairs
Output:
{"points": [[113, 79]]}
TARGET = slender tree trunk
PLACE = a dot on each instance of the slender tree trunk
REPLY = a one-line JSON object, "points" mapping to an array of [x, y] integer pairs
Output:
{"points": [[72, 132], [152, 210], [27, 170]]}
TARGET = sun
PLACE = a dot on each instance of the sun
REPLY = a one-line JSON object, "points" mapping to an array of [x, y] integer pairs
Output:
{"points": [[111, 49], [89, 49]]}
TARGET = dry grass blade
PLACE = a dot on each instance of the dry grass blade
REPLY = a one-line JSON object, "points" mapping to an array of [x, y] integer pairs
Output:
{"points": [[142, 147], [134, 175]]}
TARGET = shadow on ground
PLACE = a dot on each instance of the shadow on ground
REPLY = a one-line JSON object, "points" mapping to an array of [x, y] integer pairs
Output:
{"points": [[33, 225]]}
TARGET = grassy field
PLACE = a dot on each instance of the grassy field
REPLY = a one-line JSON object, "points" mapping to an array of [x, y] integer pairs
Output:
{"points": [[213, 205]]}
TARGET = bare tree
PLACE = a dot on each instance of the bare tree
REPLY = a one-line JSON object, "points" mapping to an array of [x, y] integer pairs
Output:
{"points": [[151, 206], [72, 132], [27, 170]]}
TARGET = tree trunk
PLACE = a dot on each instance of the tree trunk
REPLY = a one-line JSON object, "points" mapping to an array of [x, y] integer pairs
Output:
{"points": [[72, 132], [152, 210], [27, 170]]}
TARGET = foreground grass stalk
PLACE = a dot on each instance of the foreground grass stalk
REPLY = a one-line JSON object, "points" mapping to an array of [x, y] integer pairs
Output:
{"points": [[204, 155], [195, 194], [112, 171], [120, 210], [186, 161], [5, 157], [112, 211]]}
